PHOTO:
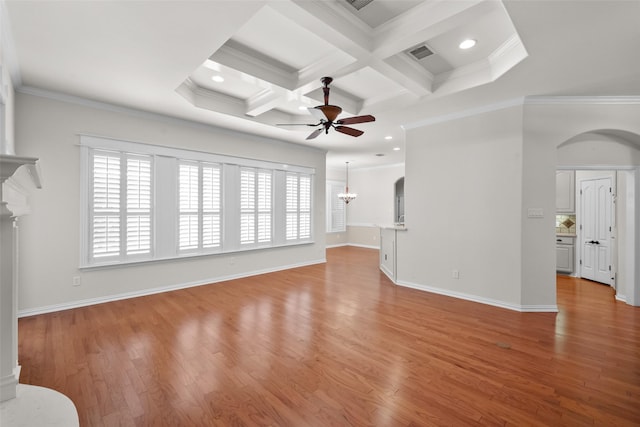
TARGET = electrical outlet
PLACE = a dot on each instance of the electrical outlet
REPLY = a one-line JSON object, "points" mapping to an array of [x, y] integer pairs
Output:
{"points": [[76, 281], [455, 274]]}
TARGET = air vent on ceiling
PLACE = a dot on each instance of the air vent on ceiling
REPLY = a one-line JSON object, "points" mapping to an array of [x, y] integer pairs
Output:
{"points": [[358, 4], [420, 52]]}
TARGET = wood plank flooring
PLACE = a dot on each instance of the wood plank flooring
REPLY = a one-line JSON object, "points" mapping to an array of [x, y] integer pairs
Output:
{"points": [[339, 345]]}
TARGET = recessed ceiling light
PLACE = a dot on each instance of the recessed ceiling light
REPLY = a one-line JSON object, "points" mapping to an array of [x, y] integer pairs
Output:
{"points": [[388, 137], [303, 108], [467, 44], [217, 78], [396, 148]]}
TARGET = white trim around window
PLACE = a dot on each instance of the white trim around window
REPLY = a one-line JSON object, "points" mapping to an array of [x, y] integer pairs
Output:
{"points": [[141, 202]]}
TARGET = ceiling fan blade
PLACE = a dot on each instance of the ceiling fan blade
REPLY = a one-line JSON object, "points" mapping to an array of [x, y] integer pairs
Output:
{"points": [[315, 133], [356, 119], [298, 124], [349, 131]]}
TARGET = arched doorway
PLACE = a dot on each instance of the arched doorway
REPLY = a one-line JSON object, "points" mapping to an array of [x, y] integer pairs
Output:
{"points": [[614, 154]]}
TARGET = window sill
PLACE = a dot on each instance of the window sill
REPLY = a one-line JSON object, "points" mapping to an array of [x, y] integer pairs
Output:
{"points": [[139, 262]]}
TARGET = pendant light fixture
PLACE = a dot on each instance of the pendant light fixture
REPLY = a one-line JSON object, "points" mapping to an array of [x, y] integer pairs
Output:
{"points": [[346, 196]]}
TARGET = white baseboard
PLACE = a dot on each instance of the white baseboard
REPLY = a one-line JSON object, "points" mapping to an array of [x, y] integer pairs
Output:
{"points": [[363, 246], [151, 291], [621, 298], [387, 273], [474, 298], [8, 385], [339, 245]]}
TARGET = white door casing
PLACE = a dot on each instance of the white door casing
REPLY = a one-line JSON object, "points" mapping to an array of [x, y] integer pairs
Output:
{"points": [[596, 206]]}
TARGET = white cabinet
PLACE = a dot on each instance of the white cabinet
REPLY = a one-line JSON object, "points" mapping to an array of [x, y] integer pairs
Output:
{"points": [[565, 191], [564, 254]]}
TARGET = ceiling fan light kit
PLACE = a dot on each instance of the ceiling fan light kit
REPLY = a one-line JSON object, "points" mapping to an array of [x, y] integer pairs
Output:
{"points": [[328, 114]]}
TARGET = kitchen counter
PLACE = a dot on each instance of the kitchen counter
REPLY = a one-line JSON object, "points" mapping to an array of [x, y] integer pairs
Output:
{"points": [[393, 227]]}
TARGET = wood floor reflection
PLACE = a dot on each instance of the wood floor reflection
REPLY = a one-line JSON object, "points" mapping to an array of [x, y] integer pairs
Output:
{"points": [[339, 345]]}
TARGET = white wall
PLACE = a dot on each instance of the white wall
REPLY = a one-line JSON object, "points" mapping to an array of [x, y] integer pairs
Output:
{"points": [[49, 242], [375, 188], [7, 93], [463, 208], [373, 206], [470, 185], [602, 126], [596, 150]]}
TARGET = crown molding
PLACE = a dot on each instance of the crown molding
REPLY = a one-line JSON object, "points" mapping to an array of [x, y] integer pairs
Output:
{"points": [[464, 113], [528, 100], [100, 105], [583, 100]]}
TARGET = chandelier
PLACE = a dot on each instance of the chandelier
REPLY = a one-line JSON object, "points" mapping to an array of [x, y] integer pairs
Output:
{"points": [[346, 196]]}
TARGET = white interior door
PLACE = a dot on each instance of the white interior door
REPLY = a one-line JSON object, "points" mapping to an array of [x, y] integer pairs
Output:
{"points": [[595, 199]]}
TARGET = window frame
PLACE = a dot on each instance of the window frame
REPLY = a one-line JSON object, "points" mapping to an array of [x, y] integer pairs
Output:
{"points": [[165, 194], [122, 213]]}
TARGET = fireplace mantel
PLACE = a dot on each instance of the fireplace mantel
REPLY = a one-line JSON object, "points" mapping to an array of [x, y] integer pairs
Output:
{"points": [[18, 176], [20, 404]]}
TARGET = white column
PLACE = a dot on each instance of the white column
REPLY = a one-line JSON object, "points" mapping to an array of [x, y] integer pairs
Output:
{"points": [[18, 176]]}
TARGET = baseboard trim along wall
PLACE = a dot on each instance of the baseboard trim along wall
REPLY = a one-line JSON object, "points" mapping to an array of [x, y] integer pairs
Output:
{"points": [[339, 245], [474, 298], [364, 246], [387, 273], [92, 301]]}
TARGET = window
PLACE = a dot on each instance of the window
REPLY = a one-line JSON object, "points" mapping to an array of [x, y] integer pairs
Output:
{"points": [[142, 202], [120, 206], [298, 206], [255, 206], [199, 206], [336, 212]]}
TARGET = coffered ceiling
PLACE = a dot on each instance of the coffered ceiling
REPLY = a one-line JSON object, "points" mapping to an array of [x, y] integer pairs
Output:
{"points": [[265, 74], [250, 65]]}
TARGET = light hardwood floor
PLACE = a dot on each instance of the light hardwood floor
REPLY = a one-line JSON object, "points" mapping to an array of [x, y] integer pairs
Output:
{"points": [[338, 345]]}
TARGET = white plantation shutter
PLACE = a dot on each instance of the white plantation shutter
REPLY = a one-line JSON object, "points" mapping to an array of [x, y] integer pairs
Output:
{"points": [[138, 206], [292, 206], [336, 212], [211, 233], [142, 202], [199, 206], [247, 206], [105, 236], [305, 207], [188, 205], [264, 206], [121, 203], [298, 206], [255, 206]]}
